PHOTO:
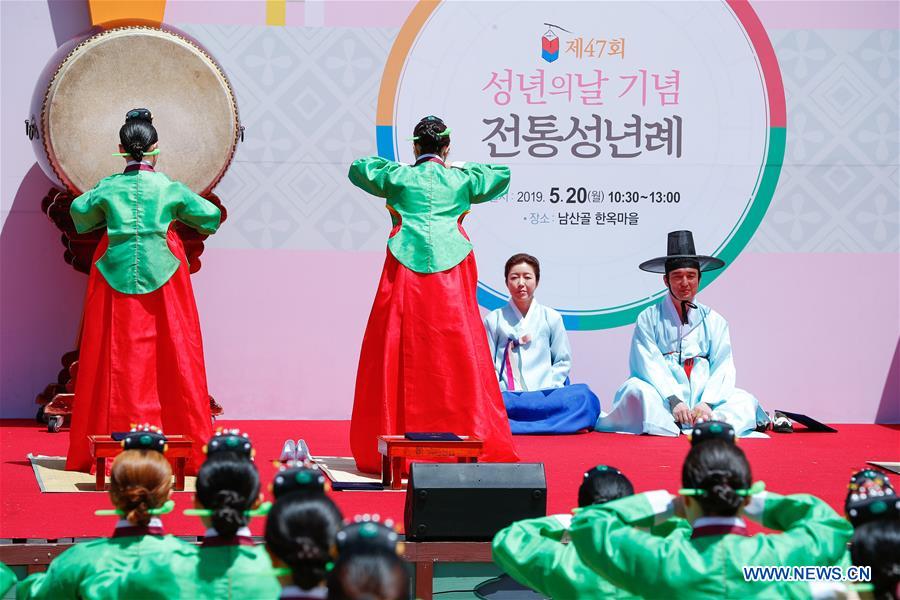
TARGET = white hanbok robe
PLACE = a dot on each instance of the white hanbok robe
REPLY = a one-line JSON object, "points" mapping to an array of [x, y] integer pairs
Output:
{"points": [[532, 358], [538, 347], [659, 349]]}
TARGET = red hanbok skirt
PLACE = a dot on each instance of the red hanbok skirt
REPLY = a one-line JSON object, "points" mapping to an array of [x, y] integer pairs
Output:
{"points": [[140, 361], [425, 365]]}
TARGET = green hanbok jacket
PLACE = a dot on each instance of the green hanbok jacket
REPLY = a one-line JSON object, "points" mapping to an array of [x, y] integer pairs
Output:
{"points": [[93, 570], [218, 568], [428, 201], [685, 566], [534, 553], [137, 207], [7, 579]]}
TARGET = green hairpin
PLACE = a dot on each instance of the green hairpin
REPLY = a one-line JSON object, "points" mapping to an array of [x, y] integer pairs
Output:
{"points": [[262, 511], [756, 488], [416, 138], [168, 507], [286, 572], [151, 153]]}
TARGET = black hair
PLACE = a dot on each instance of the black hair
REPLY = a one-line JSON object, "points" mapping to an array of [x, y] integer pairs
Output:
{"points": [[377, 575], [520, 258], [877, 545], [228, 485], [427, 135], [602, 484], [300, 530], [719, 468], [138, 133]]}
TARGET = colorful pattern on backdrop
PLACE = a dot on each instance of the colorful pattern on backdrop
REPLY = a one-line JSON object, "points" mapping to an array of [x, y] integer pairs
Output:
{"points": [[838, 187]]}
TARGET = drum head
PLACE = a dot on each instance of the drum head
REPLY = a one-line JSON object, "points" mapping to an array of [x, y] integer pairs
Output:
{"points": [[193, 107]]}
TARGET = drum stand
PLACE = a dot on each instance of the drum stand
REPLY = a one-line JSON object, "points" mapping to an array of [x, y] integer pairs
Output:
{"points": [[56, 400]]}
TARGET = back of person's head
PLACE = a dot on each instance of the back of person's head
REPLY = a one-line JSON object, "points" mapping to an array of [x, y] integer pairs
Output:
{"points": [[877, 544], [520, 258], [871, 497], [138, 133], [431, 135], [376, 575], [602, 484], [300, 531], [140, 480], [228, 485], [717, 469]]}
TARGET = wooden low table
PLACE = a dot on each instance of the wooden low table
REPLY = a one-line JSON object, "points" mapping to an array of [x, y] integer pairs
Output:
{"points": [[395, 449], [180, 448]]}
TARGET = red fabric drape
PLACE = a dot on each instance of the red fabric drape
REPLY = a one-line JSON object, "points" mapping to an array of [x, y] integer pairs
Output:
{"points": [[425, 365], [140, 361]]}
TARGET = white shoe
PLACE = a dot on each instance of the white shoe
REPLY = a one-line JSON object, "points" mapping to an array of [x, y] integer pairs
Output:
{"points": [[302, 452], [288, 452]]}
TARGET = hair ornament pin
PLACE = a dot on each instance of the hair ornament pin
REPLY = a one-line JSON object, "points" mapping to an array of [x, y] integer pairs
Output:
{"points": [[416, 138], [756, 488], [367, 533], [601, 469], [260, 511], [306, 479], [151, 153], [145, 437], [166, 508], [230, 440], [139, 113]]}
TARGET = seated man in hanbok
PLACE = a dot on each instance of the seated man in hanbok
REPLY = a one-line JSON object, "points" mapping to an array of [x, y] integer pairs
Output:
{"points": [[532, 358], [682, 370]]}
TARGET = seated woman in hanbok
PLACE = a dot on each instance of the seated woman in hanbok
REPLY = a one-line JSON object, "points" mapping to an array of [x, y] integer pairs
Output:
{"points": [[532, 359], [140, 486], [708, 561]]}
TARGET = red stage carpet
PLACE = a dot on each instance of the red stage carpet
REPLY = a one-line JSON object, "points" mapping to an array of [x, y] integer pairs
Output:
{"points": [[818, 463]]}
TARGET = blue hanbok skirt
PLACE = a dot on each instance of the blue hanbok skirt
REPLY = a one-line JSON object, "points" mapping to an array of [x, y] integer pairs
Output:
{"points": [[568, 409]]}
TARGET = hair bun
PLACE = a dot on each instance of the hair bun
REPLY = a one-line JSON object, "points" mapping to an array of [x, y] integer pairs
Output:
{"points": [[137, 505], [308, 551]]}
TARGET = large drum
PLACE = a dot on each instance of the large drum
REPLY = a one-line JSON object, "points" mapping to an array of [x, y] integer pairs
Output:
{"points": [[86, 88]]}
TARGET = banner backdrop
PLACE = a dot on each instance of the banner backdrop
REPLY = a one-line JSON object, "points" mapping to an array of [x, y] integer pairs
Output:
{"points": [[620, 121]]}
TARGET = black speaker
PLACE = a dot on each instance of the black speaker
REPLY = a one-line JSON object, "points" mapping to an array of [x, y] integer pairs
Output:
{"points": [[471, 501]]}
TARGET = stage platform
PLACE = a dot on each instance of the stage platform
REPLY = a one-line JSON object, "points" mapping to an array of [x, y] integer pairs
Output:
{"points": [[818, 463]]}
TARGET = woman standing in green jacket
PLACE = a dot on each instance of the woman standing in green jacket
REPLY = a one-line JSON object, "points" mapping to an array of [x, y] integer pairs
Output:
{"points": [[140, 353], [425, 365]]}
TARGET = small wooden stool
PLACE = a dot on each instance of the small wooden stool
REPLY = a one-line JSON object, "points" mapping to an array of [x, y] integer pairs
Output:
{"points": [[394, 449], [180, 448]]}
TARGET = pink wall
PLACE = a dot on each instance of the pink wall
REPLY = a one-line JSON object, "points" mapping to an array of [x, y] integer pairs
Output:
{"points": [[812, 332]]}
